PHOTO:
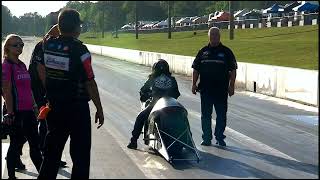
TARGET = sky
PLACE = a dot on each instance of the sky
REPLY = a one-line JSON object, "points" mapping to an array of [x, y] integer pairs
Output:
{"points": [[18, 8]]}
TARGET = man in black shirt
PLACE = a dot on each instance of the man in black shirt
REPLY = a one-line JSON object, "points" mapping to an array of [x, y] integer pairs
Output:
{"points": [[38, 89], [69, 83], [216, 65]]}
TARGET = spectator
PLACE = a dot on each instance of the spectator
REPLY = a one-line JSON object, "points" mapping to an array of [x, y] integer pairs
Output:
{"points": [[19, 105], [216, 65], [69, 83], [38, 89]]}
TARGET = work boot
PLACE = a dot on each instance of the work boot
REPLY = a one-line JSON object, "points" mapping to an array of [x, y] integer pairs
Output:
{"points": [[20, 165], [206, 143], [221, 142], [63, 164], [132, 145]]}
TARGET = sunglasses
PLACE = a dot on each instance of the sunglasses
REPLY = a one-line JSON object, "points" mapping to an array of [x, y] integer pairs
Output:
{"points": [[17, 45]]}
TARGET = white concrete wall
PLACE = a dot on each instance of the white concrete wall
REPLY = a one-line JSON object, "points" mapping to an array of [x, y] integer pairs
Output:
{"points": [[283, 82], [289, 23]]}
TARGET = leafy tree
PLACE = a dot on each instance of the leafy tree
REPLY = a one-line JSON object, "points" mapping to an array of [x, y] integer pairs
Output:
{"points": [[6, 19]]}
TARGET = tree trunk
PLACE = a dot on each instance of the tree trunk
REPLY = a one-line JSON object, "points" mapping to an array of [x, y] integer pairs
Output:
{"points": [[231, 20], [169, 21], [102, 23], [136, 19]]}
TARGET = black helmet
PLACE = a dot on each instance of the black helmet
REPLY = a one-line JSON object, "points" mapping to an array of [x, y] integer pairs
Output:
{"points": [[161, 66]]}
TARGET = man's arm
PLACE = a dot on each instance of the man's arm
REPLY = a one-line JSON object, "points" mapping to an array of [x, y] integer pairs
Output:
{"points": [[195, 72], [42, 73], [195, 76], [93, 92], [232, 80], [145, 91], [176, 89], [232, 68], [91, 84]]}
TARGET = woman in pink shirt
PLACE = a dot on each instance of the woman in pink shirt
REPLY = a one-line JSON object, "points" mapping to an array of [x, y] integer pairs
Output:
{"points": [[17, 94]]}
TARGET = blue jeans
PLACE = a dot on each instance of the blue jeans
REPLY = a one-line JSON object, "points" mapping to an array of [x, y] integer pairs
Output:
{"points": [[220, 104]]}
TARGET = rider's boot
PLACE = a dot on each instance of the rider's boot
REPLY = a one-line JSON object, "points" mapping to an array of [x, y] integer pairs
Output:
{"points": [[133, 144]]}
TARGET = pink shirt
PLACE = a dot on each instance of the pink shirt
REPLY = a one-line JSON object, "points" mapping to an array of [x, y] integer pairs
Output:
{"points": [[21, 88]]}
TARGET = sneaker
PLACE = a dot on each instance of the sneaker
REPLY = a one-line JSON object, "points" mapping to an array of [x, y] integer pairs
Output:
{"points": [[132, 145], [63, 164], [221, 142], [20, 165], [206, 143]]}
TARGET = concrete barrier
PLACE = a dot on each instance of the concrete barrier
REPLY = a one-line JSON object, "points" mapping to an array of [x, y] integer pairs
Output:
{"points": [[260, 25], [251, 25], [283, 82], [243, 26], [289, 23]]}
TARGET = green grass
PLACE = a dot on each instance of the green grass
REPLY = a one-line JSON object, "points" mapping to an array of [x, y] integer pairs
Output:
{"points": [[286, 46]]}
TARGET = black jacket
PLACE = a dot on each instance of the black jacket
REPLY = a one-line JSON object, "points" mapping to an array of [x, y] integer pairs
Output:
{"points": [[158, 87], [38, 90]]}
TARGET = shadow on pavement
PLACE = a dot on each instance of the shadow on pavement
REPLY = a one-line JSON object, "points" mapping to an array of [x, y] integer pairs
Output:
{"points": [[234, 168], [29, 173], [275, 160], [223, 166], [64, 173]]}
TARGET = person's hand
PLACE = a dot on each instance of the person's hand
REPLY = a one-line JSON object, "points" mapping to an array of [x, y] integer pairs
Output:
{"points": [[8, 119], [99, 116], [194, 89], [231, 90]]}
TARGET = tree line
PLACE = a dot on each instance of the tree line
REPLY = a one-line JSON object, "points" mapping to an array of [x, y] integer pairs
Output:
{"points": [[111, 15]]}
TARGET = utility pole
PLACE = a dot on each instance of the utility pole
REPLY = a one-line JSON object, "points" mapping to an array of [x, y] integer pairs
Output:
{"points": [[136, 18], [102, 22], [34, 24], [173, 17], [231, 20], [169, 21]]}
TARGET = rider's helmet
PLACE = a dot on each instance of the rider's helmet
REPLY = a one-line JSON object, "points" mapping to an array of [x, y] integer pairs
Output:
{"points": [[161, 67]]}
